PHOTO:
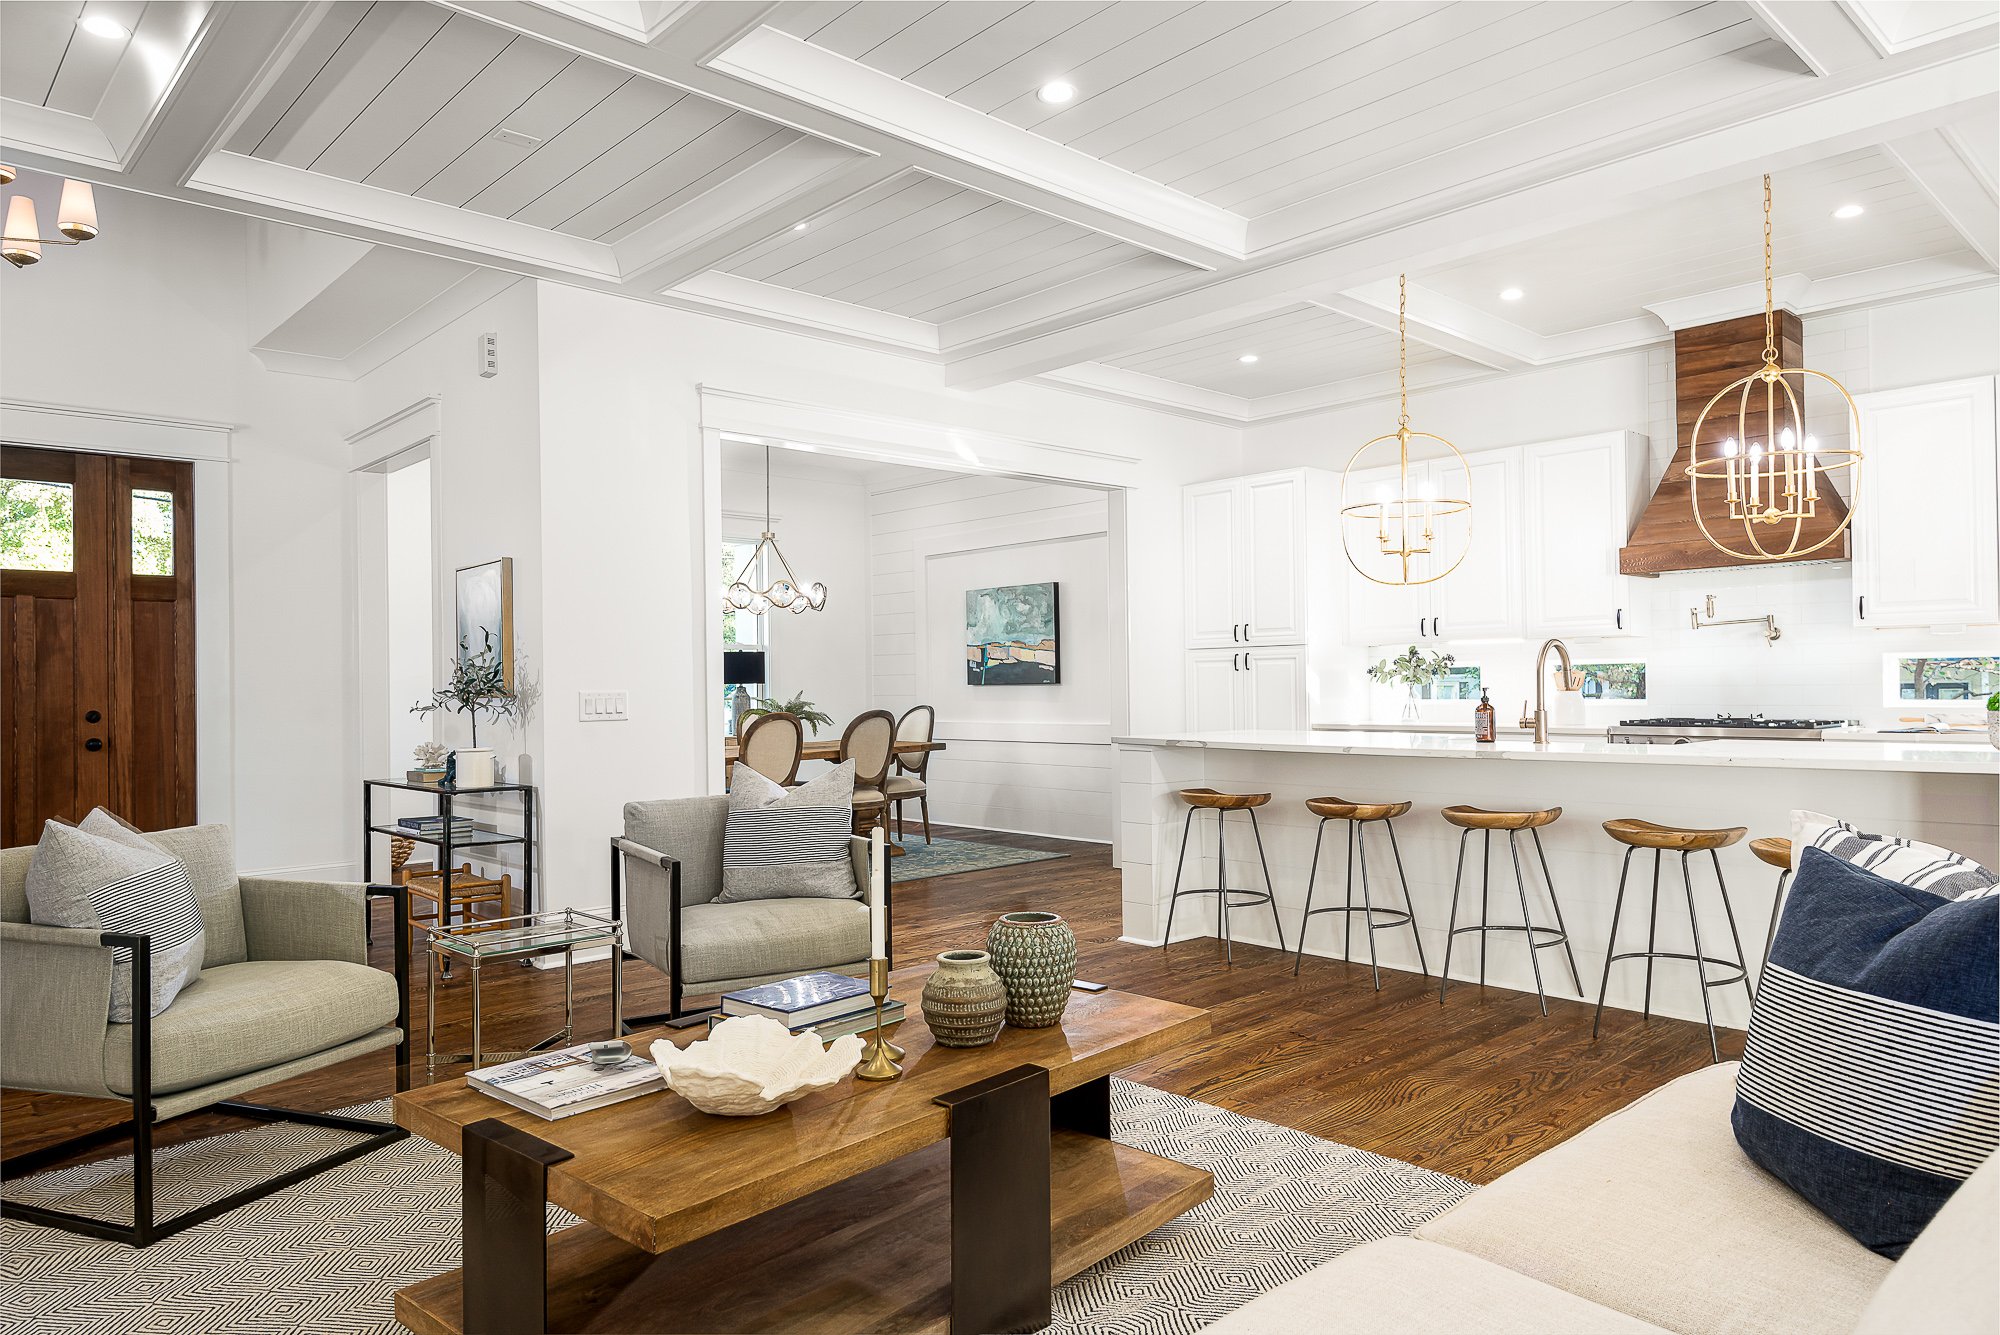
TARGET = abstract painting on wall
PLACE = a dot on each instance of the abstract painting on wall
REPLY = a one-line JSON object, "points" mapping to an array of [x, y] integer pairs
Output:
{"points": [[486, 613], [1011, 635]]}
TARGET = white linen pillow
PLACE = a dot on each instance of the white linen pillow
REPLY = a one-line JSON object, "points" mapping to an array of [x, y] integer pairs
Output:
{"points": [[1940, 871], [78, 878]]}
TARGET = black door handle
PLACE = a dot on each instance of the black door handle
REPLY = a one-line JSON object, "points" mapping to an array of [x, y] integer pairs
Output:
{"points": [[94, 744], [93, 717]]}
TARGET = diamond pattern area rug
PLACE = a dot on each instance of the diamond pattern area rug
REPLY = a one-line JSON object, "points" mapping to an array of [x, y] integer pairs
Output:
{"points": [[326, 1256], [949, 857]]}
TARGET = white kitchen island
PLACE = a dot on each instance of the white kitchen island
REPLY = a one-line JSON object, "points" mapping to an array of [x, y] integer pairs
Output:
{"points": [[1948, 794]]}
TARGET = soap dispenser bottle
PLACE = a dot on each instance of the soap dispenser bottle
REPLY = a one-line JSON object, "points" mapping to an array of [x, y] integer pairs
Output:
{"points": [[1482, 719]]}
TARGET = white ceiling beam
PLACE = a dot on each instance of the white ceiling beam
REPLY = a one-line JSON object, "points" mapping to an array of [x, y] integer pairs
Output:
{"points": [[1119, 385], [1903, 94], [859, 324], [1822, 33], [1954, 184], [1438, 321]]}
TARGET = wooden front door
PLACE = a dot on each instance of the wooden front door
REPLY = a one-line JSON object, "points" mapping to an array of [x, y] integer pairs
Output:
{"points": [[97, 606]]}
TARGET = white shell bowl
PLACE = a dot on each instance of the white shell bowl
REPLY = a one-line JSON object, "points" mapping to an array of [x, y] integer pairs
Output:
{"points": [[750, 1065]]}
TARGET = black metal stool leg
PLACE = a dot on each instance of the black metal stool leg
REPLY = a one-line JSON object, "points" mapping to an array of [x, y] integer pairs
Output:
{"points": [[1270, 889], [1700, 964], [1347, 918], [1305, 919], [1367, 900], [1187, 828], [1729, 914], [1527, 922], [1222, 885], [1653, 936], [1777, 907], [1409, 906], [1485, 890], [1451, 924], [1556, 904], [1611, 944]]}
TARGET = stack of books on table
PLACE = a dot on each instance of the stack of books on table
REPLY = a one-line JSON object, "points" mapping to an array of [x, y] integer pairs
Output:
{"points": [[829, 1004], [433, 826], [565, 1082]]}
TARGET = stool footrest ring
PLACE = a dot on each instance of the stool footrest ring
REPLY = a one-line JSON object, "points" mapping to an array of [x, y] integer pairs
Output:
{"points": [[1390, 917], [1738, 976]]}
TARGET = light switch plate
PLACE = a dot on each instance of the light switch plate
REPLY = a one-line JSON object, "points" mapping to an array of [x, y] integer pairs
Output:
{"points": [[601, 707]]}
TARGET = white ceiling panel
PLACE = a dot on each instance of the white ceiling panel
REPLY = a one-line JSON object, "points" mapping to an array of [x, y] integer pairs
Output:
{"points": [[927, 249], [1589, 276], [46, 60], [1255, 106], [412, 98], [1296, 348]]}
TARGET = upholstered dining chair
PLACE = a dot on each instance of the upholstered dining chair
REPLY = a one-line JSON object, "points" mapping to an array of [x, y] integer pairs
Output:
{"points": [[910, 783], [771, 745], [870, 740], [285, 988]]}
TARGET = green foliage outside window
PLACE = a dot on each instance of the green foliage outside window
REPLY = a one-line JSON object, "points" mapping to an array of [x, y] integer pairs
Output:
{"points": [[37, 525]]}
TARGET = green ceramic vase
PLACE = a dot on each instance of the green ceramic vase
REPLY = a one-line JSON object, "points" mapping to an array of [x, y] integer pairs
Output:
{"points": [[1035, 956], [964, 1001]]}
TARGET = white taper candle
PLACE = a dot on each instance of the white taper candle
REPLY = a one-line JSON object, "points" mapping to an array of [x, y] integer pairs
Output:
{"points": [[878, 895]]}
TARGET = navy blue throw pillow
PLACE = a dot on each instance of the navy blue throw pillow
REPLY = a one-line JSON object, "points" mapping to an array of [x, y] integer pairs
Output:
{"points": [[1870, 1082]]}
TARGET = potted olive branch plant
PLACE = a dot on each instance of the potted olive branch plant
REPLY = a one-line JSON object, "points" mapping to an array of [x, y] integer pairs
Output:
{"points": [[477, 685], [1411, 670]]}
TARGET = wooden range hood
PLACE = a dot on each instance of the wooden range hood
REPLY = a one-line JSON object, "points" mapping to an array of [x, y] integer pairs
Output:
{"points": [[1706, 358]]}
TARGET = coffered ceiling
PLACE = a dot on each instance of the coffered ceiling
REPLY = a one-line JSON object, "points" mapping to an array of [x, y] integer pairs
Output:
{"points": [[1227, 177]]}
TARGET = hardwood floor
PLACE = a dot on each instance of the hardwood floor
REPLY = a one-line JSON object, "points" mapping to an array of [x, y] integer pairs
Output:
{"points": [[1471, 1088]]}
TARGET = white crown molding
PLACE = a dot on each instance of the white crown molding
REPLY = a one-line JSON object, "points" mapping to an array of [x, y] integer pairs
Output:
{"points": [[1120, 385], [1788, 293], [733, 293], [1960, 189], [65, 139], [404, 429], [805, 73], [1878, 20], [647, 33], [1893, 283], [461, 298], [1439, 322], [1822, 33], [108, 431]]}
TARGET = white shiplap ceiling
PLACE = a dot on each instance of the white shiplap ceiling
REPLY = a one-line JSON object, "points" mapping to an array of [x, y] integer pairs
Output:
{"points": [[1296, 348], [925, 248], [1583, 277], [1232, 176], [1254, 106]]}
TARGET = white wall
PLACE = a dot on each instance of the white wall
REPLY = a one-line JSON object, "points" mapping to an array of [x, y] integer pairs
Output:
{"points": [[1034, 759], [1824, 666], [412, 608]]}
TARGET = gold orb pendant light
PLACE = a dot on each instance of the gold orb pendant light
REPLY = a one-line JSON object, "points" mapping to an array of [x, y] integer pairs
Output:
{"points": [[1397, 536], [1767, 475]]}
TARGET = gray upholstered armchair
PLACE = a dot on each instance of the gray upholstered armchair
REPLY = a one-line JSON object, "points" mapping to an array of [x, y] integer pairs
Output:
{"points": [[285, 988], [665, 875]]}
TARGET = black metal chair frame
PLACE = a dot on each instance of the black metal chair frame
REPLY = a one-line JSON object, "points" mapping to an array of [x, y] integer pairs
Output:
{"points": [[1390, 917], [146, 1227], [1650, 953], [678, 1015], [1222, 890], [1557, 935]]}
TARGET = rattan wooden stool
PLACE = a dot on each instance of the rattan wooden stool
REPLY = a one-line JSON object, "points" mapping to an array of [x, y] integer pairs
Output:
{"points": [[1359, 815], [1207, 799], [1636, 834], [1470, 819], [1777, 853]]}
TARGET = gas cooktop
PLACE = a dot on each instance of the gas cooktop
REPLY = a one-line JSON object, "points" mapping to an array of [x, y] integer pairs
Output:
{"points": [[1673, 730]]}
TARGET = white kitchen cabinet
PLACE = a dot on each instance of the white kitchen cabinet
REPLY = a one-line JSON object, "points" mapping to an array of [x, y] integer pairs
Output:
{"points": [[1482, 597], [1926, 533], [1230, 689], [1579, 498], [1252, 546]]}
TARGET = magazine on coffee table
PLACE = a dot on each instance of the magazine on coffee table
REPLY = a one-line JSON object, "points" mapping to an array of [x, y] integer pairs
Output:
{"points": [[564, 1082]]}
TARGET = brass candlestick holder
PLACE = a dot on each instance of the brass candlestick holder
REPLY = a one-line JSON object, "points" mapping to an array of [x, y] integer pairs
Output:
{"points": [[878, 1059]]}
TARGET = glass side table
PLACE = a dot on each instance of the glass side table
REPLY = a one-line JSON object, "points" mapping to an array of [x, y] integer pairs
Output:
{"points": [[520, 937]]}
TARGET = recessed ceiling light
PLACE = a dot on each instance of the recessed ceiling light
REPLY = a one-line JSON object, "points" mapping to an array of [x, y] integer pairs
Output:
{"points": [[800, 226], [1247, 358], [1846, 211], [1511, 294], [1056, 91], [97, 25]]}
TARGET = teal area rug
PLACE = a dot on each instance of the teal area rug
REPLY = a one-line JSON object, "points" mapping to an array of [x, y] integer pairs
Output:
{"points": [[949, 857]]}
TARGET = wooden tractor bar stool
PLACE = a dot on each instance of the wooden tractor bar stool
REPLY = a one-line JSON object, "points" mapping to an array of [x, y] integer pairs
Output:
{"points": [[1358, 816], [1776, 853], [1636, 834], [1470, 819], [1207, 799]]}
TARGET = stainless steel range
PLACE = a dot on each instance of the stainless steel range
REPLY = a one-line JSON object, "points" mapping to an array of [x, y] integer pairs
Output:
{"points": [[1678, 731]]}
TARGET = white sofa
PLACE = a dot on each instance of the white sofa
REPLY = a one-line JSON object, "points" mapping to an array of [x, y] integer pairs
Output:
{"points": [[1652, 1220]]}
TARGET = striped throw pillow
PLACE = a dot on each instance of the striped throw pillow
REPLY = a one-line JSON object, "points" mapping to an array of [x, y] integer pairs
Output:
{"points": [[1926, 866], [1870, 1081], [80, 879], [783, 843]]}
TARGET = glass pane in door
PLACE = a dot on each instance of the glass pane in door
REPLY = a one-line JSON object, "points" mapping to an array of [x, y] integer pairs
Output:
{"points": [[152, 532], [37, 525]]}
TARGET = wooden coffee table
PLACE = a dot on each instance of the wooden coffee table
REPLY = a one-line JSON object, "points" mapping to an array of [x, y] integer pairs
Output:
{"points": [[953, 1198]]}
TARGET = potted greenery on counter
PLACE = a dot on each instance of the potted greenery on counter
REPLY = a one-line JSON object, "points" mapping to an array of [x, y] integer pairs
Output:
{"points": [[1411, 670]]}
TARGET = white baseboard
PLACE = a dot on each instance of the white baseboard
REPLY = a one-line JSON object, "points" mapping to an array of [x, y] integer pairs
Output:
{"points": [[1001, 829]]}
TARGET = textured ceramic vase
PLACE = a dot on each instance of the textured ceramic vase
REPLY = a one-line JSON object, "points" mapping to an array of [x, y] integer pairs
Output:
{"points": [[1035, 956], [964, 1001]]}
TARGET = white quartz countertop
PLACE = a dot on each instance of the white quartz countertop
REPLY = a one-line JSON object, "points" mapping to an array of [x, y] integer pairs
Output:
{"points": [[1959, 737], [1906, 757]]}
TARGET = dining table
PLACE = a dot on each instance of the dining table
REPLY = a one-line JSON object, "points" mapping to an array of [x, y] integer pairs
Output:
{"points": [[830, 750]]}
